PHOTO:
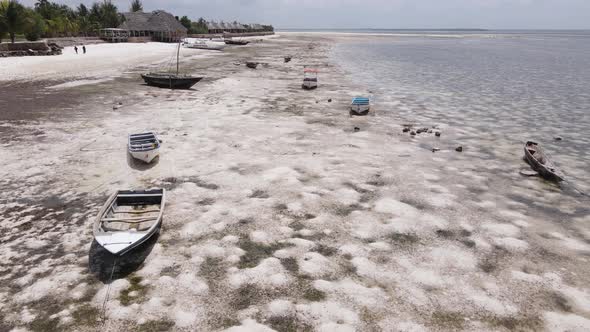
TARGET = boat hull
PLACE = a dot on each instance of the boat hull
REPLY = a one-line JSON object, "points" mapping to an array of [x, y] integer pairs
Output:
{"points": [[121, 242], [146, 156], [538, 161], [360, 109], [170, 82]]}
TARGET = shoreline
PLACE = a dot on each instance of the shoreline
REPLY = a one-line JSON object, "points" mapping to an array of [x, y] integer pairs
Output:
{"points": [[279, 213]]}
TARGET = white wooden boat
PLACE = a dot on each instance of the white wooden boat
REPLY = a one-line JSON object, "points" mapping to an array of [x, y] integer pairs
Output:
{"points": [[204, 44], [144, 146], [128, 219], [360, 105], [310, 78]]}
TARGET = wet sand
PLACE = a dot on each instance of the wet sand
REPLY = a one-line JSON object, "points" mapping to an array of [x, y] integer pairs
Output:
{"points": [[280, 215]]}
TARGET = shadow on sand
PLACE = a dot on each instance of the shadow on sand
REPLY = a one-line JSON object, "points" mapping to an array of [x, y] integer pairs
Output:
{"points": [[140, 165], [101, 261]]}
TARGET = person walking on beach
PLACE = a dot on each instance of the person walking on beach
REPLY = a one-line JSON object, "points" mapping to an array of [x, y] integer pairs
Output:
{"points": [[76, 49], [83, 49]]}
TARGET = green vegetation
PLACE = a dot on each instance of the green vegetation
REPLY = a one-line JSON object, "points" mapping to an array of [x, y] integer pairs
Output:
{"points": [[134, 286], [48, 19]]}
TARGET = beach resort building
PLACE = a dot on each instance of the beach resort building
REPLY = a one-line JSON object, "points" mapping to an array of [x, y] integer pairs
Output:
{"points": [[158, 25]]}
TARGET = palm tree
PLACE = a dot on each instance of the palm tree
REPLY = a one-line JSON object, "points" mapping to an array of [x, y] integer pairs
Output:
{"points": [[109, 14], [136, 6], [13, 18]]}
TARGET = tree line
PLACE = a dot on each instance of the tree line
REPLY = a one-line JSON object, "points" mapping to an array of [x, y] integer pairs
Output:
{"points": [[47, 19]]}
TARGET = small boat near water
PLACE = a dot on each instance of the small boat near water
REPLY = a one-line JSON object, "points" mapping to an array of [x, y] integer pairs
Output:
{"points": [[240, 42], [539, 161], [310, 78], [128, 219], [144, 146], [360, 106]]}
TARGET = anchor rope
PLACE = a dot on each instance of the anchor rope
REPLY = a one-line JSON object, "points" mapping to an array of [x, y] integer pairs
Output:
{"points": [[106, 298]]}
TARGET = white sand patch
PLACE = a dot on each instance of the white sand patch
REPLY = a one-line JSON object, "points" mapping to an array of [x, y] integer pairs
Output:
{"points": [[250, 325], [281, 174], [560, 322], [260, 237], [335, 327], [268, 274], [571, 243], [493, 305], [53, 285], [346, 196], [378, 273], [280, 308], [511, 244], [397, 208], [507, 230], [581, 298], [78, 83], [316, 265], [349, 291], [452, 258], [533, 278], [320, 313]]}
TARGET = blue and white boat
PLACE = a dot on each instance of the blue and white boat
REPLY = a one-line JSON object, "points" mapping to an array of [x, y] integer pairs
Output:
{"points": [[360, 105], [145, 146]]}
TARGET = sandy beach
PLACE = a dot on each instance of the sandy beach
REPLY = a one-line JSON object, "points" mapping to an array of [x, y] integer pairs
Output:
{"points": [[284, 212]]}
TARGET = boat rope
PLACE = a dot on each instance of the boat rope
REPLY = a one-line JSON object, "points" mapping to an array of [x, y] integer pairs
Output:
{"points": [[83, 149], [106, 298]]}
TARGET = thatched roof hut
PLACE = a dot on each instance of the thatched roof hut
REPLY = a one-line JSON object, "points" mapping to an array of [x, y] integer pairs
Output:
{"points": [[159, 25]]}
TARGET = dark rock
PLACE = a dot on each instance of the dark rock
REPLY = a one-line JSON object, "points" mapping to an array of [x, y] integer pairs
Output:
{"points": [[558, 138], [459, 149], [430, 131], [437, 134], [330, 100], [356, 129], [413, 133], [435, 149], [120, 103], [405, 130]]}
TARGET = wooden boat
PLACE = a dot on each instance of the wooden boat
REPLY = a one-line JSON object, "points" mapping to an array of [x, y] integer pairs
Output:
{"points": [[144, 146], [310, 78], [536, 157], [171, 80], [252, 64], [360, 106], [236, 42], [128, 219], [204, 44]]}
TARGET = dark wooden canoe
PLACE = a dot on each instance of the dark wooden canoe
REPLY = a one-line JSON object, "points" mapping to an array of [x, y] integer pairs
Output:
{"points": [[252, 64], [170, 81], [534, 156], [236, 42]]}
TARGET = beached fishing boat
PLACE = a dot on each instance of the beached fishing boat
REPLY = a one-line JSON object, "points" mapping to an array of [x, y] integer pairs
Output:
{"points": [[239, 42], [539, 161], [252, 64], [144, 146], [128, 219], [204, 44], [360, 106], [310, 78], [171, 80]]}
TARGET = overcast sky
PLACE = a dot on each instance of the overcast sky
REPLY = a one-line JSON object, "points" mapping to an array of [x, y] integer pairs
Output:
{"points": [[491, 14]]}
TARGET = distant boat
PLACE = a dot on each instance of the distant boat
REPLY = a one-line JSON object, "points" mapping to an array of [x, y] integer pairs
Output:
{"points": [[310, 78], [145, 146], [360, 105], [204, 44], [128, 219], [171, 80], [236, 42], [539, 161]]}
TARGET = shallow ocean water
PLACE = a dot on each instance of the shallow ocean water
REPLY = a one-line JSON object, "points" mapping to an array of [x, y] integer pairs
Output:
{"points": [[489, 92]]}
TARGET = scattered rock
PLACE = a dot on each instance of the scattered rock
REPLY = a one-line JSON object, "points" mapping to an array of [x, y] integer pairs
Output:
{"points": [[116, 107], [422, 130], [558, 138], [120, 103], [357, 129], [430, 131], [435, 149], [406, 130], [437, 134], [459, 149], [413, 133], [330, 100]]}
